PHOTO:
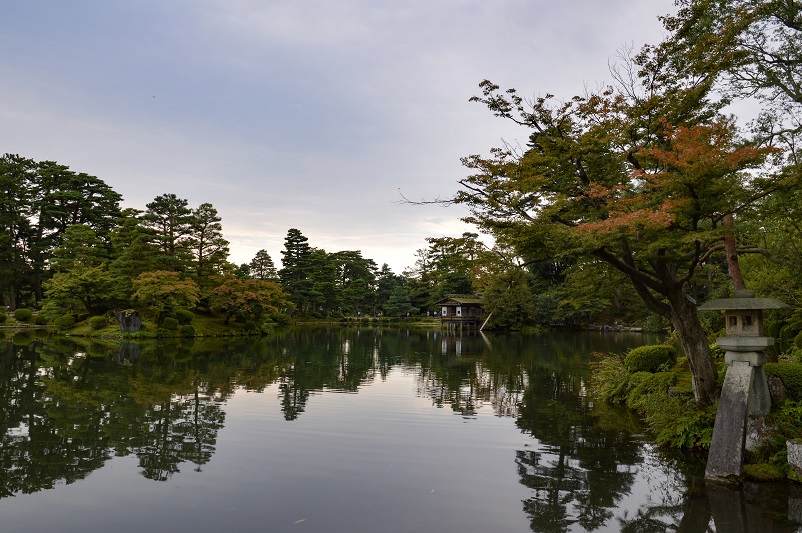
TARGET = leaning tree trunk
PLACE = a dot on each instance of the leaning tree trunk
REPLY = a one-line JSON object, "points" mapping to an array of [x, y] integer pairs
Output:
{"points": [[693, 339]]}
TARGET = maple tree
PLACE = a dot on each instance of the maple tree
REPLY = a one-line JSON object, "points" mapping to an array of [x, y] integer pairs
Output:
{"points": [[646, 177]]}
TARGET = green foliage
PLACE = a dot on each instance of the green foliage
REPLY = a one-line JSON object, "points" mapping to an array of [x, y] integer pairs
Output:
{"points": [[509, 297], [23, 314], [248, 299], [675, 420], [763, 472], [98, 322], [3, 318], [40, 319], [280, 319], [170, 323], [655, 323], [791, 376], [650, 358], [610, 379], [642, 384], [184, 316], [65, 322], [787, 423], [188, 330], [165, 290]]}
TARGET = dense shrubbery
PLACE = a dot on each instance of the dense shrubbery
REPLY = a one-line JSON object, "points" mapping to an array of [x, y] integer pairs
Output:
{"points": [[791, 376], [23, 314], [170, 324], [3, 318], [674, 419], [187, 330], [98, 322], [184, 316], [650, 358], [65, 322]]}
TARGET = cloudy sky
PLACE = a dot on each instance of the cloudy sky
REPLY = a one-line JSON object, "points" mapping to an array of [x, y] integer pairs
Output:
{"points": [[312, 114]]}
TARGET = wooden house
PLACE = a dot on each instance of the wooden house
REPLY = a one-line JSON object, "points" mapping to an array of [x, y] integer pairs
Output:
{"points": [[459, 311]]}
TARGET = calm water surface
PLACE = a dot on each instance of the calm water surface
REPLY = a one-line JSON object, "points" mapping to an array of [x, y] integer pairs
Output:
{"points": [[343, 430]]}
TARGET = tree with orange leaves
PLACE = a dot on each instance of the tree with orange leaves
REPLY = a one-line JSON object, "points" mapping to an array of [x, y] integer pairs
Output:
{"points": [[647, 177]]}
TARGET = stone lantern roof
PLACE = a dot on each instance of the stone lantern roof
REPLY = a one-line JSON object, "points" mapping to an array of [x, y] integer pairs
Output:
{"points": [[743, 315], [743, 300]]}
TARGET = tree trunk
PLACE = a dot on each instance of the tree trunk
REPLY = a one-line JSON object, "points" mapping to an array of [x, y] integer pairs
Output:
{"points": [[693, 339], [730, 249]]}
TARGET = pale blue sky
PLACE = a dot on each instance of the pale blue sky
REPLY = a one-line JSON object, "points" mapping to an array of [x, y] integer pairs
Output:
{"points": [[308, 114]]}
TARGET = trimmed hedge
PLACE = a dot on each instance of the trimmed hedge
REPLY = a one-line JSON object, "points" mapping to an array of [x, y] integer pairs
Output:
{"points": [[170, 323], [650, 358], [22, 314], [98, 322], [187, 330], [791, 376], [183, 316], [65, 322]]}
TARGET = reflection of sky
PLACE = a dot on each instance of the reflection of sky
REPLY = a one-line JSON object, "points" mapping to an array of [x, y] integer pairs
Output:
{"points": [[383, 455], [294, 114]]}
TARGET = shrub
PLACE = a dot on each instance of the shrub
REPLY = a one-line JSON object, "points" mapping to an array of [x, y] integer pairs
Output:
{"points": [[187, 330], [3, 318], [655, 323], [23, 314], [763, 472], [791, 376], [610, 379], [183, 316], [98, 322], [677, 421], [65, 322], [170, 323], [643, 383], [40, 319], [650, 358], [282, 320]]}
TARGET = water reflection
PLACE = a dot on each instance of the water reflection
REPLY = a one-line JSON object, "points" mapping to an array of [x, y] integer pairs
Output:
{"points": [[69, 406]]}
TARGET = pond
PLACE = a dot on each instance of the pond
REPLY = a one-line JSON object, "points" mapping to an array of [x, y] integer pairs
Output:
{"points": [[344, 429]]}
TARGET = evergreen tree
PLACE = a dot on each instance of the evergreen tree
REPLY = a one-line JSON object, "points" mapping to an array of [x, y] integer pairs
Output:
{"points": [[206, 242], [172, 224], [295, 270], [262, 267]]}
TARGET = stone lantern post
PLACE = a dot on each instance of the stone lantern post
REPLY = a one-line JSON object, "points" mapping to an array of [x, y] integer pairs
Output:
{"points": [[745, 391]]}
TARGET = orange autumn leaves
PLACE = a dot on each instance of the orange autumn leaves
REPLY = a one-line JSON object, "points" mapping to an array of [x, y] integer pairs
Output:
{"points": [[696, 175]]}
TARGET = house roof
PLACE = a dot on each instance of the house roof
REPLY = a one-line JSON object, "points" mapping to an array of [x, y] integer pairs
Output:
{"points": [[462, 300]]}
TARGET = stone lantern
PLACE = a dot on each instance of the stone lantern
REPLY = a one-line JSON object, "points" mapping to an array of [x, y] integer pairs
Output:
{"points": [[745, 391]]}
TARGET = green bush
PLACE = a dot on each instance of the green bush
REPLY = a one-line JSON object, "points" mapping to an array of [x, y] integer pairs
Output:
{"points": [[170, 323], [183, 316], [3, 318], [791, 376], [98, 322], [187, 330], [610, 379], [282, 320], [643, 383], [655, 323], [40, 319], [650, 358], [23, 314], [65, 322], [763, 472]]}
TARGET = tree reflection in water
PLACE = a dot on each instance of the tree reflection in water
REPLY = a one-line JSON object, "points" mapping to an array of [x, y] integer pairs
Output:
{"points": [[69, 406]]}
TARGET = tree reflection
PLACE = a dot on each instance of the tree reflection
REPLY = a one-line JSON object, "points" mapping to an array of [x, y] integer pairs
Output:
{"points": [[68, 406], [580, 472]]}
